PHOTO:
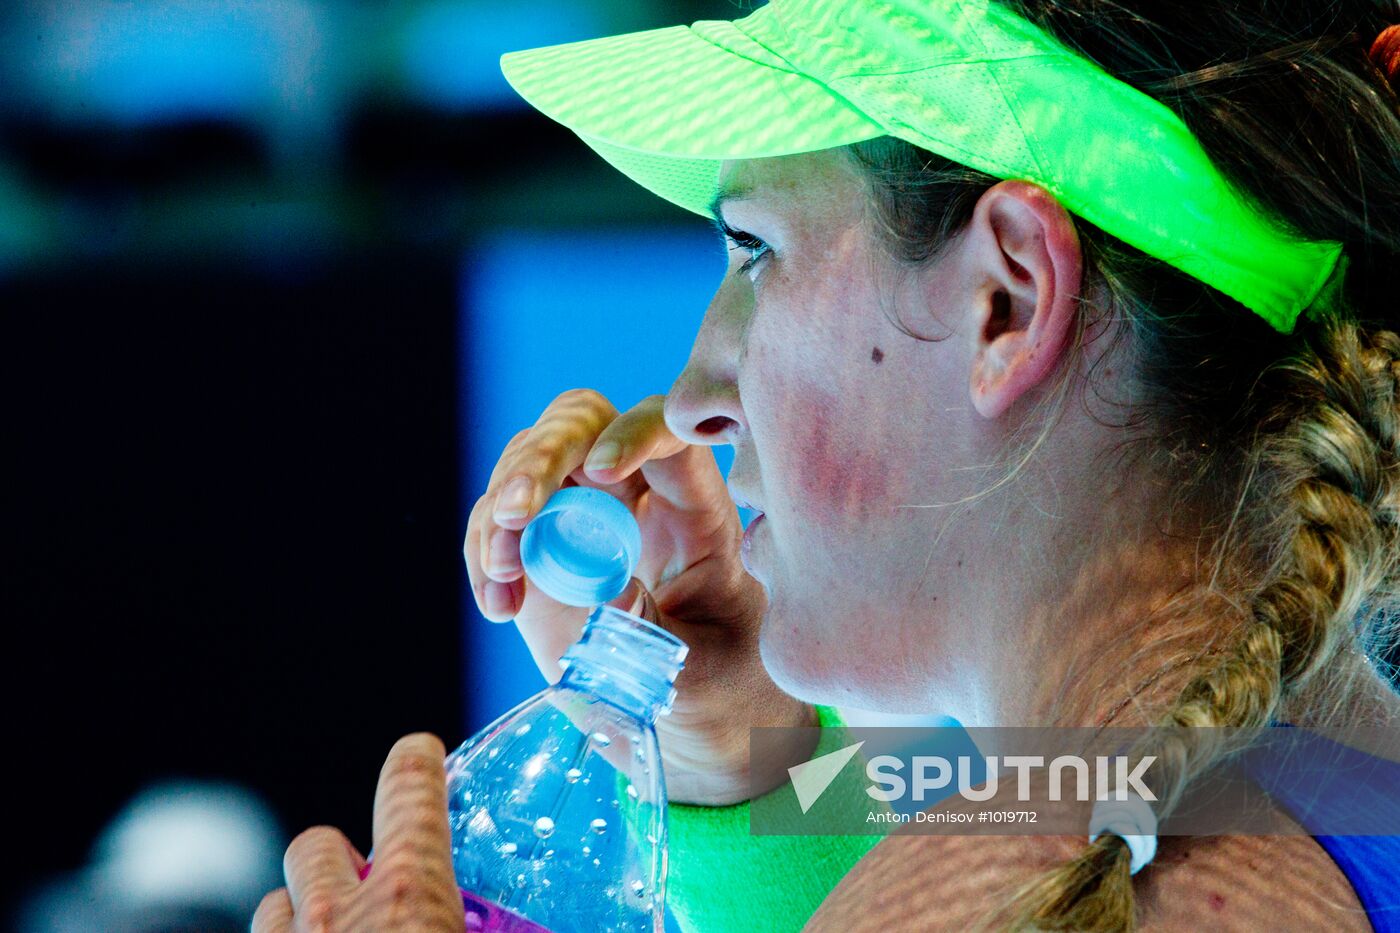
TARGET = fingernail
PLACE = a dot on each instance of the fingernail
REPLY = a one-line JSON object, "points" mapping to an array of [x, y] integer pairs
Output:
{"points": [[604, 456], [499, 554], [497, 600], [515, 498]]}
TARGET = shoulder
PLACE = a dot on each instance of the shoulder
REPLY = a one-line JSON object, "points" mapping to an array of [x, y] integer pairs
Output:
{"points": [[1283, 883]]}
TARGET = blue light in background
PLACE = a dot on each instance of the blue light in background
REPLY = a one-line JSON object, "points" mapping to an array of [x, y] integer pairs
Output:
{"points": [[160, 61], [615, 311], [452, 50]]}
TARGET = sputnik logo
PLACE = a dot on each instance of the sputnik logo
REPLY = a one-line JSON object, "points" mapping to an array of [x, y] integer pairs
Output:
{"points": [[811, 778]]}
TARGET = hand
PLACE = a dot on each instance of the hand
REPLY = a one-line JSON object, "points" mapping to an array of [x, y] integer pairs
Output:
{"points": [[411, 886], [689, 580]]}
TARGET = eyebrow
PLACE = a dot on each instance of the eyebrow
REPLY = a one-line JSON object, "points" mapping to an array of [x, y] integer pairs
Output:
{"points": [[732, 192]]}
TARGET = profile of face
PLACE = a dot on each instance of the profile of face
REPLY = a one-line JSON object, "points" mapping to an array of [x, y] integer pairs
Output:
{"points": [[868, 401]]}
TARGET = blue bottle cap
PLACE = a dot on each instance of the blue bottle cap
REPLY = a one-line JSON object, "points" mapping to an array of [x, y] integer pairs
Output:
{"points": [[582, 547]]}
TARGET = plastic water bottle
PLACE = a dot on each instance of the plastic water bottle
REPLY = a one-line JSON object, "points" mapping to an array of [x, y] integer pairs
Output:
{"points": [[558, 807]]}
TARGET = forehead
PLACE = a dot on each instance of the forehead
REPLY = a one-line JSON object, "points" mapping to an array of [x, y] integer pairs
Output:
{"points": [[805, 184]]}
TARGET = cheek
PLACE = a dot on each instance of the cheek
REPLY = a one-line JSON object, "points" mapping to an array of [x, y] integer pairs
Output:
{"points": [[841, 478], [826, 411]]}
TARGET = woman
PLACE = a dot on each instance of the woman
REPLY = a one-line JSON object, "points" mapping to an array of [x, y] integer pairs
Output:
{"points": [[1094, 424]]}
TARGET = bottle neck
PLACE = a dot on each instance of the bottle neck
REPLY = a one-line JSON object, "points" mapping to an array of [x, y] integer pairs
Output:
{"points": [[626, 661]]}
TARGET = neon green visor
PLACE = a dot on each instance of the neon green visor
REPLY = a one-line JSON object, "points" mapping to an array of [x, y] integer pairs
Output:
{"points": [[967, 79]]}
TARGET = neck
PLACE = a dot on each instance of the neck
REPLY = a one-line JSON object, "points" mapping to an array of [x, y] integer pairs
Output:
{"points": [[1119, 640]]}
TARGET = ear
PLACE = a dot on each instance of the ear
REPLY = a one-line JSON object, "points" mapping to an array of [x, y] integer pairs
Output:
{"points": [[1025, 246]]}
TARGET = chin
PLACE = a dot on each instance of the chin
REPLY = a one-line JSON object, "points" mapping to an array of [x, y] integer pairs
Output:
{"points": [[811, 671]]}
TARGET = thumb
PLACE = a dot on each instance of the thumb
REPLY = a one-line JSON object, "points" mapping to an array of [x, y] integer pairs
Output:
{"points": [[637, 600]]}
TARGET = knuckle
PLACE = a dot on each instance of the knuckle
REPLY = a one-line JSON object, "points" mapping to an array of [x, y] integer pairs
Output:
{"points": [[415, 759], [418, 900], [406, 768], [545, 451], [582, 396], [317, 911]]}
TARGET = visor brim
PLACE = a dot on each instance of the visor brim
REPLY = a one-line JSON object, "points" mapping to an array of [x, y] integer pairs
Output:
{"points": [[667, 106]]}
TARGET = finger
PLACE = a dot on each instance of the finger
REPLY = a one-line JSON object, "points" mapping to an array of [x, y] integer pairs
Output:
{"points": [[493, 598], [636, 435], [533, 467], [683, 474], [274, 913], [319, 870], [410, 811], [503, 552], [555, 446], [481, 522]]}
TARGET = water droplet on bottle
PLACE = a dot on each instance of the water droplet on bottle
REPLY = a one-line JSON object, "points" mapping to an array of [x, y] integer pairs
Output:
{"points": [[601, 740], [599, 825], [544, 827], [632, 791], [587, 850], [548, 853], [493, 753], [520, 880], [513, 796], [481, 822], [638, 888], [523, 729], [507, 848], [572, 775], [596, 862]]}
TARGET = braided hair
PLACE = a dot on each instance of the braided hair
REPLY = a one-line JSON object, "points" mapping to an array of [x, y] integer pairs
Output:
{"points": [[1291, 442]]}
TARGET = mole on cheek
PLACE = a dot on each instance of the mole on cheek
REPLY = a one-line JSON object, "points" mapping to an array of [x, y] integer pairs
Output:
{"points": [[877, 355]]}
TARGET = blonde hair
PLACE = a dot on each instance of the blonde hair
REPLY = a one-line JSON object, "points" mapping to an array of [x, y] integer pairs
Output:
{"points": [[1290, 444]]}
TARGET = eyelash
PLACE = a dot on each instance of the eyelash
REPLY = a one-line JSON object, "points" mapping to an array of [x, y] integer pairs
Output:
{"points": [[757, 249]]}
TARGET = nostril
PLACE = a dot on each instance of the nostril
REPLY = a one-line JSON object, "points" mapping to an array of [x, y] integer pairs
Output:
{"points": [[712, 426]]}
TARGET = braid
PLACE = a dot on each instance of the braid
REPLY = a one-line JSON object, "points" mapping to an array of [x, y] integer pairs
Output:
{"points": [[1293, 437], [1330, 482]]}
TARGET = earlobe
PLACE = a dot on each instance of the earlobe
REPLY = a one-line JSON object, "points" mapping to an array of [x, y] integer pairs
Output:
{"points": [[1004, 370]]}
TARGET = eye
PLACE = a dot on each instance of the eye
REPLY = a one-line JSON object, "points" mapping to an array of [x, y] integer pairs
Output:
{"points": [[754, 246]]}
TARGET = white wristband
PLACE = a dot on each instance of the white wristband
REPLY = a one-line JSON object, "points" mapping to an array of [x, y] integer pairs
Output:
{"points": [[1131, 820]]}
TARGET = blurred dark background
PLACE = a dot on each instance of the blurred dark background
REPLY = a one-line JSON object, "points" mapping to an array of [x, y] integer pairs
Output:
{"points": [[276, 285]]}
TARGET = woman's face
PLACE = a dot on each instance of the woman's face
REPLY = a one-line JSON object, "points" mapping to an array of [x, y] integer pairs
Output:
{"points": [[854, 438]]}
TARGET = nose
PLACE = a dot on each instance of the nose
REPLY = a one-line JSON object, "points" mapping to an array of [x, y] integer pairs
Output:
{"points": [[703, 405]]}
